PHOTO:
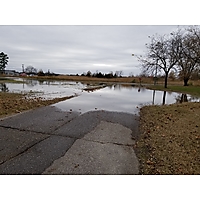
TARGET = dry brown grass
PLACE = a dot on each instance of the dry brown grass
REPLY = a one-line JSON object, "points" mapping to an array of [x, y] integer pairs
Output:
{"points": [[144, 80], [170, 139], [87, 79]]}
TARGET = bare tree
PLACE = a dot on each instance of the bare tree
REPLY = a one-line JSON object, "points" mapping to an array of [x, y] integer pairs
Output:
{"points": [[189, 54], [162, 55], [118, 73], [30, 70]]}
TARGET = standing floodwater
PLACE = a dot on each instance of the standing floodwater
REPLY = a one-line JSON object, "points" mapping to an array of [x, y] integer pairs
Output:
{"points": [[116, 97], [121, 98]]}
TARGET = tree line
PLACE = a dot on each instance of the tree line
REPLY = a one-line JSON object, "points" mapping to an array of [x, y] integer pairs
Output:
{"points": [[117, 74], [178, 51], [30, 70]]}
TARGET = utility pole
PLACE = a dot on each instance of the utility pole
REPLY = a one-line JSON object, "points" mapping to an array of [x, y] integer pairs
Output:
{"points": [[23, 68]]}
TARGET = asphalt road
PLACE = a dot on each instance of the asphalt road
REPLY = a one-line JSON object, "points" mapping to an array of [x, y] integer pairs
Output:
{"points": [[49, 141]]}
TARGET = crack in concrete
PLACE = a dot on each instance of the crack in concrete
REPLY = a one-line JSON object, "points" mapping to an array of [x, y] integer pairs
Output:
{"points": [[23, 130], [49, 134], [64, 123], [101, 142], [24, 150]]}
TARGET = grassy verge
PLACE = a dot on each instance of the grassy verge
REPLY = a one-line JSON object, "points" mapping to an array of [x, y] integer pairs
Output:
{"points": [[7, 80], [11, 103], [170, 139], [193, 90]]}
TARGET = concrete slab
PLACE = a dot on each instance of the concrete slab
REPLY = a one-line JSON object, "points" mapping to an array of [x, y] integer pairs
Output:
{"points": [[86, 122], [44, 119], [30, 142], [14, 142], [87, 157], [36, 159], [79, 126], [111, 133]]}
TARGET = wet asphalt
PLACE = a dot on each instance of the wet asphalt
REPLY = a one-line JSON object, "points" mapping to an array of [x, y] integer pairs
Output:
{"points": [[50, 141]]}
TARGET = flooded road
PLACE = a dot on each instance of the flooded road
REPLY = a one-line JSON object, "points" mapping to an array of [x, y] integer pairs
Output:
{"points": [[117, 97]]}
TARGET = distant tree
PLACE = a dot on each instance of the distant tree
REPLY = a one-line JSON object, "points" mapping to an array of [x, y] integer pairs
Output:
{"points": [[3, 61], [172, 75], [118, 74], [109, 75], [131, 74], [99, 75], [195, 74], [89, 74], [48, 73], [30, 70], [41, 73]]}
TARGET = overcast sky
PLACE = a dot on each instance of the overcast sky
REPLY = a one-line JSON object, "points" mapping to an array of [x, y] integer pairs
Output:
{"points": [[76, 49]]}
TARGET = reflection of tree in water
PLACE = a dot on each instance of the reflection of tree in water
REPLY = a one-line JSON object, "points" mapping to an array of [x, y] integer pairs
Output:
{"points": [[117, 87], [194, 99], [41, 82], [182, 98], [179, 99], [154, 92], [3, 87], [31, 82], [164, 98]]}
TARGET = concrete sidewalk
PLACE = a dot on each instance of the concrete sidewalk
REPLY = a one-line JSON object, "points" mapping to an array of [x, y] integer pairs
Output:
{"points": [[50, 141]]}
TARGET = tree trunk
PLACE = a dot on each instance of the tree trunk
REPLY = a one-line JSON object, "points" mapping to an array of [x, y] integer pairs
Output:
{"points": [[186, 81], [166, 77]]}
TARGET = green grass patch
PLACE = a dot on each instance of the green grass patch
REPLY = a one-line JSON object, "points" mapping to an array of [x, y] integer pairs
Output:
{"points": [[192, 90], [7, 80]]}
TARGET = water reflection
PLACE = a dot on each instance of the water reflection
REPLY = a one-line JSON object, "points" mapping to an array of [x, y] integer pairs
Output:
{"points": [[116, 97], [185, 98], [182, 98], [31, 82], [3, 87], [47, 89], [154, 93], [164, 97]]}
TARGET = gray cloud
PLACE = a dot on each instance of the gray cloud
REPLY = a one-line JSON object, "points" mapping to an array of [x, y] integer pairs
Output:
{"points": [[76, 49]]}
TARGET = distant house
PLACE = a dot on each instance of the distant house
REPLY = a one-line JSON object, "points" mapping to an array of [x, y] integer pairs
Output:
{"points": [[11, 73], [23, 74]]}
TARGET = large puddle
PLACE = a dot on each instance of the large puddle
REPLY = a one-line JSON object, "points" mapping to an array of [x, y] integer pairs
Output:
{"points": [[118, 97], [121, 99], [44, 89]]}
